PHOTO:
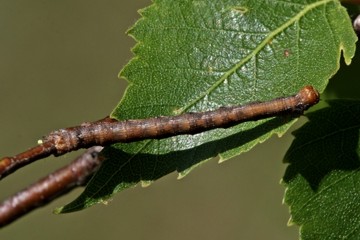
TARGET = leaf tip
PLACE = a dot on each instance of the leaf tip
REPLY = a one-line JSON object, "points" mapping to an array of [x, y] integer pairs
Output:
{"points": [[146, 183], [182, 174], [222, 159], [58, 210], [290, 222], [347, 54]]}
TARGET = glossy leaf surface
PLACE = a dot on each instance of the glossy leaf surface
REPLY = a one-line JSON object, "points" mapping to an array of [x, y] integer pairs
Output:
{"points": [[194, 56]]}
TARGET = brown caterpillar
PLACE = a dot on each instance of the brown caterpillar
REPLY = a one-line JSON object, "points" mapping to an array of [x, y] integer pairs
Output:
{"points": [[108, 131]]}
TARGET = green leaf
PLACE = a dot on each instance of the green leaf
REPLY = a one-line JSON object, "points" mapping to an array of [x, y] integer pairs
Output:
{"points": [[323, 178], [194, 56]]}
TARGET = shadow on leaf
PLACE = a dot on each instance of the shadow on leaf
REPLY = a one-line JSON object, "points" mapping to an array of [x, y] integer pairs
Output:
{"points": [[122, 170], [327, 143]]}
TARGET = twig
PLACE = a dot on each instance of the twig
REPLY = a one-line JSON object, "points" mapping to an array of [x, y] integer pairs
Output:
{"points": [[108, 131], [46, 148], [11, 164], [54, 185]]}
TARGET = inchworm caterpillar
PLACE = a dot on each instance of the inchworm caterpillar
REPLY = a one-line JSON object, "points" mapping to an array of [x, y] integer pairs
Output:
{"points": [[108, 131], [111, 131]]}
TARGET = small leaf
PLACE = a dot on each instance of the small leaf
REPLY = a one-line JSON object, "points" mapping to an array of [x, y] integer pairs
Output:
{"points": [[195, 56], [323, 178]]}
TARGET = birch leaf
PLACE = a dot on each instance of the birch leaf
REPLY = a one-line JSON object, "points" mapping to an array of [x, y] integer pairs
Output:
{"points": [[323, 178], [194, 56]]}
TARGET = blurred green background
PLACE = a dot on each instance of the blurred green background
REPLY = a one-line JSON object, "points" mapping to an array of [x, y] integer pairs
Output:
{"points": [[59, 62]]}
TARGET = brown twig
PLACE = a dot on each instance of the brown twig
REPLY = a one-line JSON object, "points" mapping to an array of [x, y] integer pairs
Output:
{"points": [[108, 131], [54, 185], [48, 147], [11, 164]]}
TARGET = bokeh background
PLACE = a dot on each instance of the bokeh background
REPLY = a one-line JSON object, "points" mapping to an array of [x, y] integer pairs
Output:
{"points": [[59, 62]]}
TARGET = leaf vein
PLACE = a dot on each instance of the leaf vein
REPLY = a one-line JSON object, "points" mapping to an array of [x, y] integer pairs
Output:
{"points": [[260, 46]]}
